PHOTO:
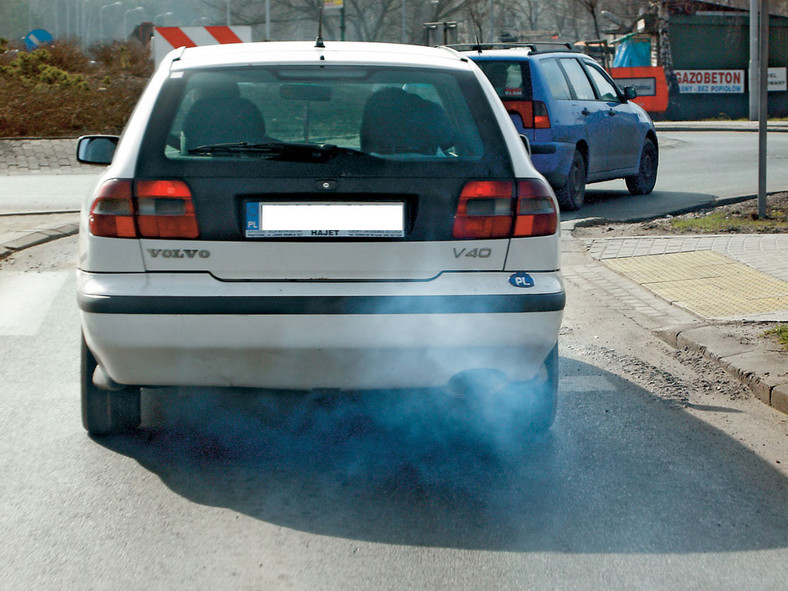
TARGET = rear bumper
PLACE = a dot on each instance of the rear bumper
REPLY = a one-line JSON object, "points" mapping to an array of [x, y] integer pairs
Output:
{"points": [[553, 160], [145, 330]]}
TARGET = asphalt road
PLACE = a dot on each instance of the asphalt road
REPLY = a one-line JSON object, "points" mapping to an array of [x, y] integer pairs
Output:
{"points": [[695, 168], [658, 474], [44, 192]]}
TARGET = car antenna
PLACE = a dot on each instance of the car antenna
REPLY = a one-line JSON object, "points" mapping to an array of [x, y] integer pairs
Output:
{"points": [[319, 39]]}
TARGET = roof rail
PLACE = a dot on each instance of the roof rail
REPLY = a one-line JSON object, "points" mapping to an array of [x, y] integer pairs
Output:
{"points": [[534, 46]]}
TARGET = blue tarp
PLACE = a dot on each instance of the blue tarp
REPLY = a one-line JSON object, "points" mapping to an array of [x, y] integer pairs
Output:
{"points": [[632, 54]]}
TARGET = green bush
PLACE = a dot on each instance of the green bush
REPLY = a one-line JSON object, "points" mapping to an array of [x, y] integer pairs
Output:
{"points": [[36, 67]]}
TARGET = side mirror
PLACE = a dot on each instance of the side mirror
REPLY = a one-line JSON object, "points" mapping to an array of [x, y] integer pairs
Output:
{"points": [[526, 143], [96, 149], [630, 92]]}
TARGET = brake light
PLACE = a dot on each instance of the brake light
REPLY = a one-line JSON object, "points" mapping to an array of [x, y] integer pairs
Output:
{"points": [[492, 209], [165, 210], [153, 209], [112, 212]]}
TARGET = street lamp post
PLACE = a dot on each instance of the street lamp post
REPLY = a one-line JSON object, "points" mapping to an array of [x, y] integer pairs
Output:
{"points": [[85, 23], [162, 15], [101, 17], [127, 13], [491, 33], [268, 20]]}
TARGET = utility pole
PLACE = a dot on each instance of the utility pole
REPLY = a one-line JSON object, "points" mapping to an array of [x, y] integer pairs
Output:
{"points": [[763, 111], [755, 67]]}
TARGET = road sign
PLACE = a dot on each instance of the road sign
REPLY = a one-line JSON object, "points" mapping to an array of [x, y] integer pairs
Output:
{"points": [[37, 38], [165, 39]]}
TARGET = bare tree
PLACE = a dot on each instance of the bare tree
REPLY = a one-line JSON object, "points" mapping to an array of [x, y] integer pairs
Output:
{"points": [[592, 6], [382, 20], [527, 12], [666, 54], [569, 20]]}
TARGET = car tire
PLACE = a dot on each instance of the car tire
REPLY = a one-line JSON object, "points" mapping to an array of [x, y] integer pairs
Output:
{"points": [[106, 412], [643, 182], [572, 194]]}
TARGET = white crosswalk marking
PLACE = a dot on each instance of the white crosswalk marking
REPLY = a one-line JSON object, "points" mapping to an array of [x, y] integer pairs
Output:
{"points": [[587, 383], [25, 299]]}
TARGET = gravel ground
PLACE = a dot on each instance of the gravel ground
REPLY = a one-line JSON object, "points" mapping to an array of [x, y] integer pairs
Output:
{"points": [[746, 210]]}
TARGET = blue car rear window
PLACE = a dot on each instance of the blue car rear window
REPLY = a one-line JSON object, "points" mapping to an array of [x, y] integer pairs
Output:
{"points": [[510, 78]]}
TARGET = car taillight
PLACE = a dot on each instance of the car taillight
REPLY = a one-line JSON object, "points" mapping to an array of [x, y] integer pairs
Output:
{"points": [[536, 214], [541, 118], [492, 209], [484, 210], [533, 113], [153, 209], [165, 210], [112, 212]]}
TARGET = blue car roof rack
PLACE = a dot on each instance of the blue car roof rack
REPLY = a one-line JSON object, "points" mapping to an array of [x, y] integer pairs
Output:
{"points": [[534, 47]]}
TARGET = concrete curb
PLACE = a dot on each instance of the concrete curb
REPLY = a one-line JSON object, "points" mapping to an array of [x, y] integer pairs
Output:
{"points": [[569, 225], [763, 370], [36, 238]]}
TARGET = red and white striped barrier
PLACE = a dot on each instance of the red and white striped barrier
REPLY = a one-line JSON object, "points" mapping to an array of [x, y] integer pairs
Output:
{"points": [[165, 39]]}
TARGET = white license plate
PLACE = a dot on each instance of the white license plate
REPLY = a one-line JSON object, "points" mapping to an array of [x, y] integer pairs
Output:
{"points": [[316, 220]]}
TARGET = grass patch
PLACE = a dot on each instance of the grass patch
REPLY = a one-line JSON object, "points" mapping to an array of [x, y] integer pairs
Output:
{"points": [[779, 332]]}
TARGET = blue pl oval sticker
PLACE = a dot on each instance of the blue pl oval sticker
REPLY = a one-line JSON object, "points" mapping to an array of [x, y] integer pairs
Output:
{"points": [[521, 279]]}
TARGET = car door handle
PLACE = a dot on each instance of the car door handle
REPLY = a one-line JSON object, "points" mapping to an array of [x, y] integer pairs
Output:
{"points": [[585, 112]]}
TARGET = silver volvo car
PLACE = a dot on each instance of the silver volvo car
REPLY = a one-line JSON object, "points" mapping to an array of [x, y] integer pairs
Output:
{"points": [[317, 215]]}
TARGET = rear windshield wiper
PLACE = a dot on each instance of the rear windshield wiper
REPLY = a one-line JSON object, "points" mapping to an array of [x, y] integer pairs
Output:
{"points": [[300, 152]]}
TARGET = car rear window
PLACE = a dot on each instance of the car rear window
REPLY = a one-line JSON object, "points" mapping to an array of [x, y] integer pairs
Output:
{"points": [[389, 113], [511, 79]]}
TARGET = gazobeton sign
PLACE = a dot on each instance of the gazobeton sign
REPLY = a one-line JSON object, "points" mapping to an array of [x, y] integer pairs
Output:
{"points": [[710, 81]]}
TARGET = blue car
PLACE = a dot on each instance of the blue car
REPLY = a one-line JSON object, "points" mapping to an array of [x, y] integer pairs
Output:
{"points": [[581, 126]]}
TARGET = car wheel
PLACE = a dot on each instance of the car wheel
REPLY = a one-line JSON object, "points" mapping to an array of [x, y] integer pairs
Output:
{"points": [[643, 182], [105, 412], [572, 193]]}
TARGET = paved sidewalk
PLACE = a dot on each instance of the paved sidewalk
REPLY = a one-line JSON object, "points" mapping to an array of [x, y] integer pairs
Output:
{"points": [[712, 294], [738, 277], [41, 156]]}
